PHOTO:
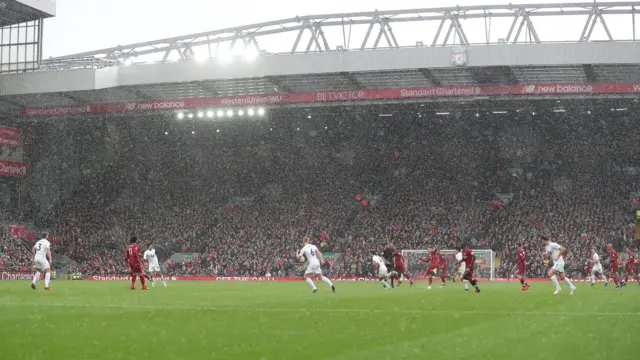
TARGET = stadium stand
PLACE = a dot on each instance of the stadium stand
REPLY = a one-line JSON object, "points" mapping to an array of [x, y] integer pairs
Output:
{"points": [[243, 198], [235, 163]]}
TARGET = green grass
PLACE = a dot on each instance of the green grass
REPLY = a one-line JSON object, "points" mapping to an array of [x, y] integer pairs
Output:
{"points": [[283, 320]]}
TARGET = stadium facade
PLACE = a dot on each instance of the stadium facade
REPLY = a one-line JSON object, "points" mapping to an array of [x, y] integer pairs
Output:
{"points": [[520, 65]]}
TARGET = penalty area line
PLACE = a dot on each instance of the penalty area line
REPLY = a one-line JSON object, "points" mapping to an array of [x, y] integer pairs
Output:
{"points": [[325, 310]]}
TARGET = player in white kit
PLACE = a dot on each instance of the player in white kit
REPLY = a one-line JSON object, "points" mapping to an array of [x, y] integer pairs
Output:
{"points": [[42, 261], [154, 267], [462, 267], [380, 269], [596, 268], [557, 270], [313, 256]]}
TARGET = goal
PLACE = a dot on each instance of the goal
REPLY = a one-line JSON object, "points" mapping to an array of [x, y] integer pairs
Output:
{"points": [[485, 263]]}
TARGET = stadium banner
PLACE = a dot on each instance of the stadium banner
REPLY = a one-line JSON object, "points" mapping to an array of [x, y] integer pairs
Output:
{"points": [[198, 278], [337, 96], [16, 276], [12, 168], [11, 152], [183, 257], [225, 278], [258, 278], [20, 231], [229, 278], [10, 136]]}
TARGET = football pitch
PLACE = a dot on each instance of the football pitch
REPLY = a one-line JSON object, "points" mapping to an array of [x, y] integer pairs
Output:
{"points": [[284, 320]]}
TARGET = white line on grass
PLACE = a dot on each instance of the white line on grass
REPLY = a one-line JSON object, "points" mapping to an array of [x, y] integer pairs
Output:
{"points": [[326, 310]]}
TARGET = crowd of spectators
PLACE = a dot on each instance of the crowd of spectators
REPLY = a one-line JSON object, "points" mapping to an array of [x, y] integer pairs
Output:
{"points": [[244, 208], [14, 256]]}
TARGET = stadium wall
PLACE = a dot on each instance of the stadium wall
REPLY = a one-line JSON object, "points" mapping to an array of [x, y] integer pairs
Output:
{"points": [[29, 276]]}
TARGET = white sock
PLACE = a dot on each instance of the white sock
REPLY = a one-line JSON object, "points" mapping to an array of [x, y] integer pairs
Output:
{"points": [[568, 282], [327, 281], [153, 279], [47, 278], [593, 279], [604, 278], [310, 282], [36, 277], [466, 284], [384, 283], [163, 279], [555, 282]]}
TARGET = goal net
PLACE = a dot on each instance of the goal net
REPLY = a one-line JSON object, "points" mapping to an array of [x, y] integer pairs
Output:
{"points": [[484, 268]]}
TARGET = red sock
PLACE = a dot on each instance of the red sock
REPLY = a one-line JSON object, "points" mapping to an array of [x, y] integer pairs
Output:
{"points": [[430, 280], [626, 278], [443, 279], [133, 280], [142, 279], [615, 280], [522, 281], [406, 276]]}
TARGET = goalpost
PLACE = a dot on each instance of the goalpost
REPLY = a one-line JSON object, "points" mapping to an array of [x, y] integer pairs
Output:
{"points": [[484, 268]]}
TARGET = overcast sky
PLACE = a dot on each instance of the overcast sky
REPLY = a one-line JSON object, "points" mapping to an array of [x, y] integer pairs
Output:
{"points": [[84, 25]]}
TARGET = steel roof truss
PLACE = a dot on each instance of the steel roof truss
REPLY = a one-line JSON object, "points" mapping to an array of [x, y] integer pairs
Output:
{"points": [[454, 25], [525, 21], [592, 20], [384, 30]]}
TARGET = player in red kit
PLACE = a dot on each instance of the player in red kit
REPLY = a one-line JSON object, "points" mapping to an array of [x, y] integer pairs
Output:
{"points": [[522, 266], [135, 265], [613, 264], [399, 268], [630, 268], [442, 263], [434, 263], [470, 262]]}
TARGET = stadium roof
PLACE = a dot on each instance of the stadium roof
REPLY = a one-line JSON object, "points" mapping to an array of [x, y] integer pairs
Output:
{"points": [[499, 83], [14, 12], [443, 26], [110, 78]]}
